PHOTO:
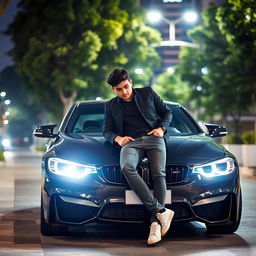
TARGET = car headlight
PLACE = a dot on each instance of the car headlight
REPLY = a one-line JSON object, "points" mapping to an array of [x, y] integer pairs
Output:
{"points": [[69, 168], [217, 168]]}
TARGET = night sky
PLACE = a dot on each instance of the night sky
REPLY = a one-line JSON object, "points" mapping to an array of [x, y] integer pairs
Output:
{"points": [[5, 42]]}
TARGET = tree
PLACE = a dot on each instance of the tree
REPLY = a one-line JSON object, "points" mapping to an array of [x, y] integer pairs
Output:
{"points": [[218, 82], [237, 22], [66, 48], [3, 6], [23, 113], [170, 87]]}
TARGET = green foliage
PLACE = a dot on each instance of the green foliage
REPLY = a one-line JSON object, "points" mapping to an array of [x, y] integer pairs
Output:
{"points": [[23, 112], [248, 137], [234, 139], [40, 149], [170, 87], [1, 155], [237, 22], [62, 47], [227, 49]]}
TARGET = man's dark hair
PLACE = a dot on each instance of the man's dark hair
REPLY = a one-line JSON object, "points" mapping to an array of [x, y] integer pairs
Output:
{"points": [[117, 76]]}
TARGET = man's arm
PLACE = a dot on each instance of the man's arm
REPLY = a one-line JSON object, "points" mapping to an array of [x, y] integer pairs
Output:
{"points": [[163, 111], [109, 131]]}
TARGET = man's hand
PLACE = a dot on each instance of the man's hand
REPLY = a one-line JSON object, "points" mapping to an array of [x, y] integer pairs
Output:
{"points": [[123, 140], [157, 132]]}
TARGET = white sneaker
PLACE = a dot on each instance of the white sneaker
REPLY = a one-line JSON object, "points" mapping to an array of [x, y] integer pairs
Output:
{"points": [[155, 233], [165, 219]]}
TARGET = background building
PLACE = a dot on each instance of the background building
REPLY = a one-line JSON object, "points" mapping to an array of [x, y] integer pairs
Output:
{"points": [[172, 10]]}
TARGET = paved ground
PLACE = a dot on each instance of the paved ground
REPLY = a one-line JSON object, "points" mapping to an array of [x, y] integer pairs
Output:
{"points": [[19, 224]]}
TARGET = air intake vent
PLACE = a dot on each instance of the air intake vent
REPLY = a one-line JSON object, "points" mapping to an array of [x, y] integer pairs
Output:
{"points": [[174, 174]]}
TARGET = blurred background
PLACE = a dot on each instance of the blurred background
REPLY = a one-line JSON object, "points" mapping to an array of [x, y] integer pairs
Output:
{"points": [[200, 53]]}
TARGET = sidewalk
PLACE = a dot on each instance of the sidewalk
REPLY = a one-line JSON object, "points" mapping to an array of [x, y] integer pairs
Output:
{"points": [[248, 173]]}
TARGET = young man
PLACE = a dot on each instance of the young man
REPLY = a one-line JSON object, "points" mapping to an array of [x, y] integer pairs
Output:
{"points": [[136, 120]]}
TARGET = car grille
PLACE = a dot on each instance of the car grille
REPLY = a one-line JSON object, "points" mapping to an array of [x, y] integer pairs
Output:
{"points": [[174, 174], [122, 212]]}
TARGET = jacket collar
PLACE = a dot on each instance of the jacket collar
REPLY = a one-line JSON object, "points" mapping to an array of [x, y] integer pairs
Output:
{"points": [[119, 100]]}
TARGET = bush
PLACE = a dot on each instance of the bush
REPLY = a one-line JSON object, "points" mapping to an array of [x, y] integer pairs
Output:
{"points": [[248, 137], [234, 139], [1, 155], [40, 149]]}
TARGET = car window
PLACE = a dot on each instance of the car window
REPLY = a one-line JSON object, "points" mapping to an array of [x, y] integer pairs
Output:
{"points": [[182, 123], [88, 119]]}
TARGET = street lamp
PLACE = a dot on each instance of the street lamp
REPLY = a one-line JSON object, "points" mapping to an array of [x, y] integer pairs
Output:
{"points": [[4, 113], [7, 102], [189, 16], [3, 94], [139, 71], [170, 70]]}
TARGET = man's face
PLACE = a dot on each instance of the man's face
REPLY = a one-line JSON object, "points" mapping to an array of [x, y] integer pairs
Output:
{"points": [[124, 90]]}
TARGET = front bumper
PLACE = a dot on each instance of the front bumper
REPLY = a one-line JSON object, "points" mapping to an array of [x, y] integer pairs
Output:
{"points": [[205, 200]]}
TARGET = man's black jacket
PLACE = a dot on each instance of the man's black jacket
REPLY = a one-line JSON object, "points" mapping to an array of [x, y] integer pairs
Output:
{"points": [[150, 105]]}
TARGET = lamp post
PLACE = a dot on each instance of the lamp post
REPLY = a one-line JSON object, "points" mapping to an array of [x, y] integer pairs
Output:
{"points": [[3, 109], [189, 16]]}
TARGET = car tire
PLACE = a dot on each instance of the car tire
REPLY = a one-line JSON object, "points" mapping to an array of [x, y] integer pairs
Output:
{"points": [[231, 226], [51, 229]]}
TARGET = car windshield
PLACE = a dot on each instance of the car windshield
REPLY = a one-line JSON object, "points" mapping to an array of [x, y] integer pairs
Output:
{"points": [[87, 120]]}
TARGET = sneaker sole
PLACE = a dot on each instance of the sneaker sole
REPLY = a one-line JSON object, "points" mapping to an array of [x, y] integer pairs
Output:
{"points": [[154, 244]]}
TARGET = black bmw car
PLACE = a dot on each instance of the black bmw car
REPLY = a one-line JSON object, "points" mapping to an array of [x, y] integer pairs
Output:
{"points": [[82, 181]]}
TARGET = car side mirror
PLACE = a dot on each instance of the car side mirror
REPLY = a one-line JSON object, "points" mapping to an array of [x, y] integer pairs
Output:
{"points": [[216, 130], [45, 131]]}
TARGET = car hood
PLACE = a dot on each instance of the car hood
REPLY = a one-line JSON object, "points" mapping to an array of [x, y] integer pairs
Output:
{"points": [[189, 150], [84, 150], [193, 150]]}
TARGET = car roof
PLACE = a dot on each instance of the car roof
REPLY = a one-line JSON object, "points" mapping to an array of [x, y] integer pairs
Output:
{"points": [[86, 102]]}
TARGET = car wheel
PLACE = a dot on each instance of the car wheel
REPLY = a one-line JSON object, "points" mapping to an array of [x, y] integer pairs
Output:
{"points": [[231, 226], [51, 229], [46, 228]]}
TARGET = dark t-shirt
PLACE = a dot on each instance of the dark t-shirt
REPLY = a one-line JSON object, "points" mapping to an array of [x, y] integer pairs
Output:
{"points": [[134, 125]]}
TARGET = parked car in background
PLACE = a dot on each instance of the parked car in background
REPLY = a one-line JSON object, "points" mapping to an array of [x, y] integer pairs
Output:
{"points": [[82, 181]]}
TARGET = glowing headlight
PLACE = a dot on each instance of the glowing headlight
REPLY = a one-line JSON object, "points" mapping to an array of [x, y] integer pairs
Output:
{"points": [[69, 168], [217, 168]]}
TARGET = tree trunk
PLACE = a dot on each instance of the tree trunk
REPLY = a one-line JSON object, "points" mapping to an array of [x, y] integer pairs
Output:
{"points": [[3, 6], [236, 124], [224, 122], [67, 101]]}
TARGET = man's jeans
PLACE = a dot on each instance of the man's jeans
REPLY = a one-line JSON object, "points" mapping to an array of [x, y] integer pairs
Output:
{"points": [[154, 149]]}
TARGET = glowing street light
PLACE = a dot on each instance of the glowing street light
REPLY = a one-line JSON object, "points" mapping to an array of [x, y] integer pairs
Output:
{"points": [[139, 71], [4, 113], [170, 70], [7, 102], [204, 70], [3, 94], [154, 16], [189, 16]]}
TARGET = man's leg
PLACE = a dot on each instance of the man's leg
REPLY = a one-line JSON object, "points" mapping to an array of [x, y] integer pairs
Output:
{"points": [[130, 155], [156, 153], [157, 160]]}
